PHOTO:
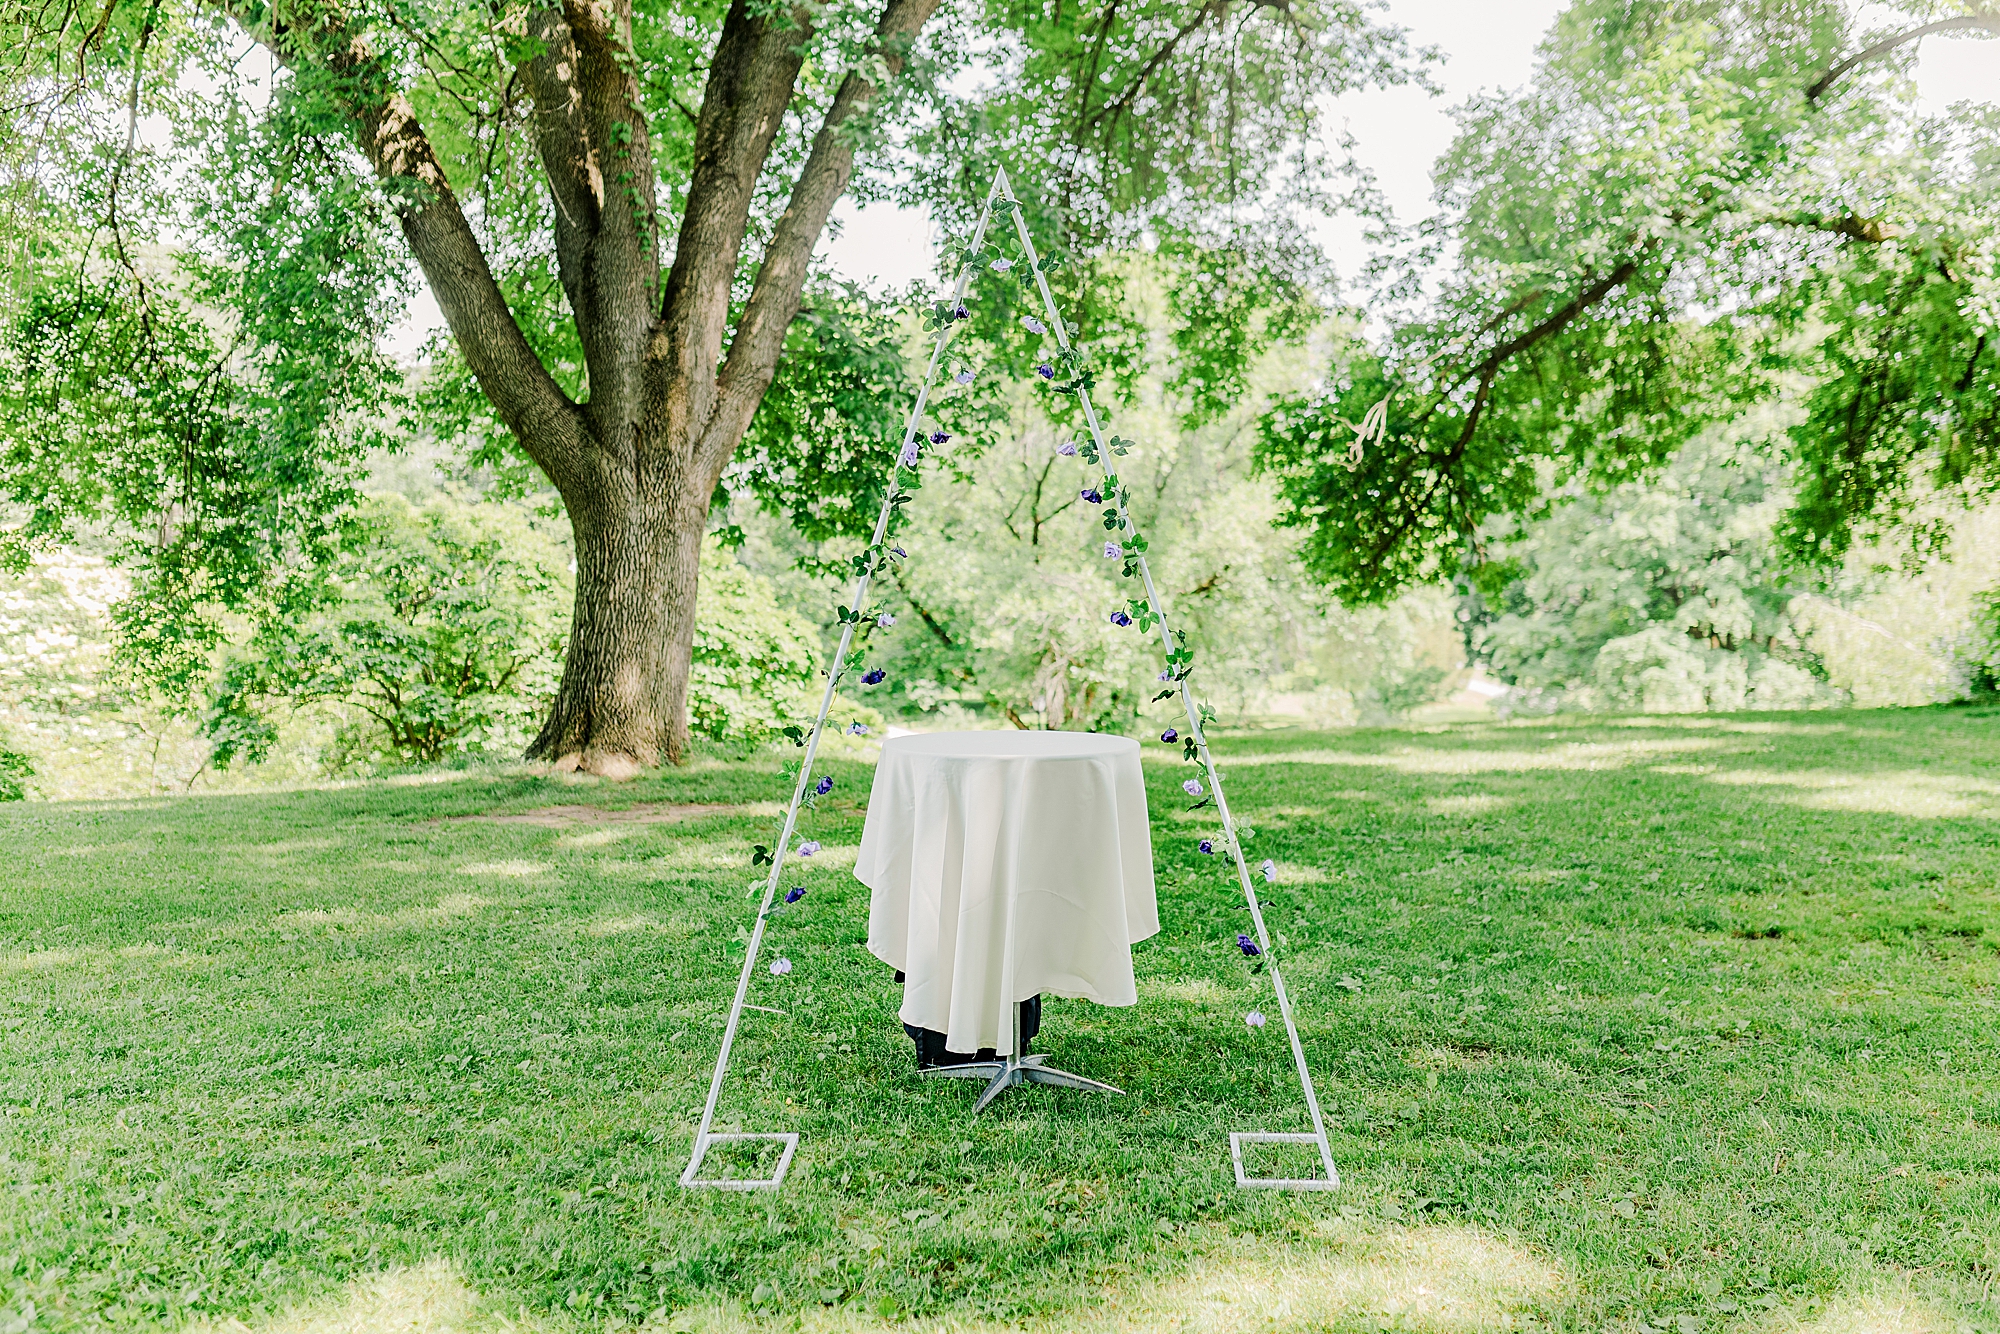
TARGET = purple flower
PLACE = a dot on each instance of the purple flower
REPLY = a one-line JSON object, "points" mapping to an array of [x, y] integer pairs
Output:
{"points": [[1046, 371], [1192, 787], [960, 312], [857, 729], [779, 967], [1067, 449], [1270, 869], [899, 553], [1120, 618], [822, 787], [795, 893], [1255, 1018], [1111, 551], [1167, 674], [939, 437], [809, 847], [962, 377], [1090, 495], [1170, 735], [1247, 945], [1033, 325], [885, 620], [1001, 265], [1207, 848], [911, 452], [873, 676]]}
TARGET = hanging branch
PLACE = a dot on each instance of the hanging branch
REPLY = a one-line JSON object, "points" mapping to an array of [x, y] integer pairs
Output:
{"points": [[1985, 21]]}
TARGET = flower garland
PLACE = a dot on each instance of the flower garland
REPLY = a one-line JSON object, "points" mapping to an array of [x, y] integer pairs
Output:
{"points": [[1069, 374]]}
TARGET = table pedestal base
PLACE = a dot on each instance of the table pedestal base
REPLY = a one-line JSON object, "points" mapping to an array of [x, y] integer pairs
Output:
{"points": [[1012, 1070], [1007, 1071]]}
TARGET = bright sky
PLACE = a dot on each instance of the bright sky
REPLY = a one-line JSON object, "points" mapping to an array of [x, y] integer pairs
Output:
{"points": [[1488, 44]]}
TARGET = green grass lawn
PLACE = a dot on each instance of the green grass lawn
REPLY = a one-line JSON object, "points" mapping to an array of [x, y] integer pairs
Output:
{"points": [[1662, 1024]]}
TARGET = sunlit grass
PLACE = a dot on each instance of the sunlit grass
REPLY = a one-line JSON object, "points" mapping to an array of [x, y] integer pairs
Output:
{"points": [[1656, 1024]]}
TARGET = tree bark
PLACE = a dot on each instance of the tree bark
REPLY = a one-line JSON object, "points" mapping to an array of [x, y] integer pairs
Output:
{"points": [[622, 705]]}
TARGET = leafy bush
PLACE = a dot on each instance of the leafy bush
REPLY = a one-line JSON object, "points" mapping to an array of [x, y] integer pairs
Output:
{"points": [[436, 630], [754, 661], [1981, 655], [15, 771]]}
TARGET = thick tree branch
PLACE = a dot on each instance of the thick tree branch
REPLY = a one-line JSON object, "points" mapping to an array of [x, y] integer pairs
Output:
{"points": [[1987, 21], [1869, 231], [593, 141], [528, 399], [774, 301], [542, 417], [750, 83], [1121, 104], [931, 622], [1559, 319], [1487, 373]]}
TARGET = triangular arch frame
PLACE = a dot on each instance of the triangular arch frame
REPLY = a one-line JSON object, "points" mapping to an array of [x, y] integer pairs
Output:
{"points": [[1002, 189]]}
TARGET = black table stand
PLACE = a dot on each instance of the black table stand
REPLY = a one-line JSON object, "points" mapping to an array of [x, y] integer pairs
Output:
{"points": [[1015, 1068]]}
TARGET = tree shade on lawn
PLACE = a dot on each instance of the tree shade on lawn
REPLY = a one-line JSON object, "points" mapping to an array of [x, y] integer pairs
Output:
{"points": [[1626, 1019]]}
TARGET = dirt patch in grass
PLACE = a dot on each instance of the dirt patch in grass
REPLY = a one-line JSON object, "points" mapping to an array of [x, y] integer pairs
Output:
{"points": [[566, 817]]}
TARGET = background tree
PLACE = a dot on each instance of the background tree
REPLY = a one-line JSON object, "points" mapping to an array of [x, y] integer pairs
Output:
{"points": [[1002, 610], [1698, 206], [436, 626], [1668, 596], [615, 207]]}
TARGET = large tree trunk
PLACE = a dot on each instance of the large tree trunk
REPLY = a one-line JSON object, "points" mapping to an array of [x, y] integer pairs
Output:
{"points": [[622, 705]]}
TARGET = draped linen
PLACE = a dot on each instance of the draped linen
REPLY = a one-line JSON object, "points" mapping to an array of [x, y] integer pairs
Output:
{"points": [[1004, 865]]}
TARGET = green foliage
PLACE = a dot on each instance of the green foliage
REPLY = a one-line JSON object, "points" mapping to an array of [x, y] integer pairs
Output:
{"points": [[1981, 654], [816, 450], [1665, 230], [1163, 134], [15, 771], [89, 728], [1002, 611], [242, 264], [439, 626], [436, 631], [754, 662], [209, 406], [1668, 596], [1399, 695]]}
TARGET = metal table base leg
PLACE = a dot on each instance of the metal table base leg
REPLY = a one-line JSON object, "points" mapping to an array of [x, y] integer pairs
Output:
{"points": [[1015, 1069]]}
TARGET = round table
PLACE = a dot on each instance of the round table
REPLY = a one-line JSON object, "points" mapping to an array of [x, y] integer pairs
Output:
{"points": [[1006, 865]]}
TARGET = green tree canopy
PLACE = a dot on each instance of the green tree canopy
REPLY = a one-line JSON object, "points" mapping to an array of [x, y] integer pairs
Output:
{"points": [[1697, 207], [615, 207]]}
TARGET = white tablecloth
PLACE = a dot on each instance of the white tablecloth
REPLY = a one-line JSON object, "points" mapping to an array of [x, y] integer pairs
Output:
{"points": [[1006, 864]]}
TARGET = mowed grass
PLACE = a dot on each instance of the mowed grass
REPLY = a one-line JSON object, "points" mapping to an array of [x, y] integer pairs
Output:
{"points": [[1658, 1024]]}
